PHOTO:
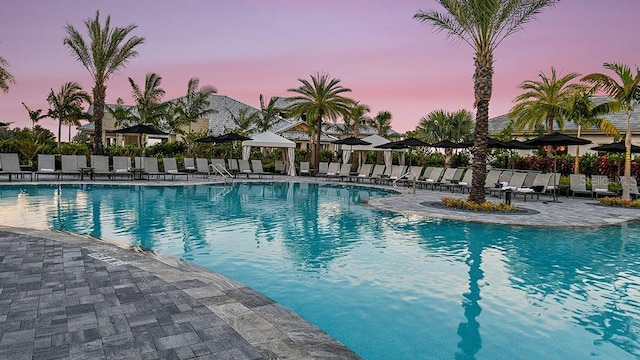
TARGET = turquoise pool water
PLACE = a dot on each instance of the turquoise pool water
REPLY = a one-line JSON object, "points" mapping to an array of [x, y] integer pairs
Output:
{"points": [[387, 286]]}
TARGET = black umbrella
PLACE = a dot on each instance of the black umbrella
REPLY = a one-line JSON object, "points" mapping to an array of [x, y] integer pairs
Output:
{"points": [[519, 145], [616, 147], [141, 129], [393, 145], [491, 143], [222, 138], [351, 141], [413, 142], [446, 144], [3, 124]]}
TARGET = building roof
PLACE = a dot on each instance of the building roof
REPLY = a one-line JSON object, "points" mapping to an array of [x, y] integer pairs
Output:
{"points": [[618, 119]]}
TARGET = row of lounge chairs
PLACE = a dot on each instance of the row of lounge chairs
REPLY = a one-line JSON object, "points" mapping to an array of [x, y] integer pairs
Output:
{"points": [[599, 186]]}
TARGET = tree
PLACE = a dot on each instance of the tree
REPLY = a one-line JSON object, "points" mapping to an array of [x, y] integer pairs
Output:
{"points": [[195, 104], [5, 77], [584, 113], [245, 120], [34, 115], [319, 99], [122, 114], [66, 104], [150, 108], [382, 123], [483, 25], [269, 114], [443, 125], [627, 94], [106, 51], [358, 117], [544, 101]]}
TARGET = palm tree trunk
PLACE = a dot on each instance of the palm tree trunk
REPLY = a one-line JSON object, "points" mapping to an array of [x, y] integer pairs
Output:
{"points": [[576, 164], [59, 133], [627, 158], [483, 83], [316, 161], [99, 94]]}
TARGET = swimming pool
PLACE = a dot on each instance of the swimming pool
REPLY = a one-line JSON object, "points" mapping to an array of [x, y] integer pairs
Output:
{"points": [[387, 286]]}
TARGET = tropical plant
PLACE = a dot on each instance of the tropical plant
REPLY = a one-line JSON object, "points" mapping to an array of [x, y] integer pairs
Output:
{"points": [[245, 120], [627, 94], [195, 104], [584, 113], [66, 104], [358, 117], [544, 102], [106, 51], [150, 108], [5, 77], [441, 125], [483, 25], [269, 114], [382, 123], [319, 99], [34, 115], [122, 114]]}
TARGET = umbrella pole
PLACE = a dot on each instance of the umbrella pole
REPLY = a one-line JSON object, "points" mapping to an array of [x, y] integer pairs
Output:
{"points": [[555, 188]]}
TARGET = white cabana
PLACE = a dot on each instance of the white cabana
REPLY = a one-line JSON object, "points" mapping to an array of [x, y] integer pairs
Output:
{"points": [[377, 140], [271, 140]]}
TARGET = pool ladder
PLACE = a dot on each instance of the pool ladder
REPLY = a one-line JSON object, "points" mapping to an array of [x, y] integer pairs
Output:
{"points": [[226, 175], [407, 176]]}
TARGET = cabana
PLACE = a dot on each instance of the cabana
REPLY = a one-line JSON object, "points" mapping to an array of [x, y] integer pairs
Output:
{"points": [[271, 140], [377, 140]]}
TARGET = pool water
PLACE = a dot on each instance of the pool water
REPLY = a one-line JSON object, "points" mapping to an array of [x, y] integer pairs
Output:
{"points": [[387, 286]]}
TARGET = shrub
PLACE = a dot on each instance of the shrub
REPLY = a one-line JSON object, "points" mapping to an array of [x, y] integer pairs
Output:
{"points": [[471, 206], [616, 201]]}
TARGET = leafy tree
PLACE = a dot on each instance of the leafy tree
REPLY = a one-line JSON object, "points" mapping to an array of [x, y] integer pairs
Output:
{"points": [[483, 25], [66, 104], [194, 105], [319, 99], [544, 101], [269, 114], [358, 117], [5, 77], [245, 120], [34, 115], [627, 94], [443, 125], [150, 108], [382, 123], [123, 114], [106, 51]]}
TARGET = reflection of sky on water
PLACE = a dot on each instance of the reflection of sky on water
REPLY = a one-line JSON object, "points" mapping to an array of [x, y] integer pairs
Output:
{"points": [[386, 285]]}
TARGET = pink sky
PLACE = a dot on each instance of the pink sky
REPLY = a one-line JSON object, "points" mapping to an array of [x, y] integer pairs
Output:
{"points": [[251, 47]]}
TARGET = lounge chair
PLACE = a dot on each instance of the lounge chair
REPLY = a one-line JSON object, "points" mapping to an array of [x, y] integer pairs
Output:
{"points": [[537, 187], [446, 177], [122, 167], [69, 166], [396, 172], [243, 168], [493, 177], [219, 167], [189, 165], [332, 170], [515, 182], [363, 173], [323, 169], [100, 165], [279, 167], [11, 166], [433, 178], [600, 186], [376, 173], [202, 167], [633, 187], [150, 167], [413, 173], [233, 166], [345, 172], [171, 168], [578, 185], [258, 169], [426, 173], [304, 168], [464, 183], [46, 166]]}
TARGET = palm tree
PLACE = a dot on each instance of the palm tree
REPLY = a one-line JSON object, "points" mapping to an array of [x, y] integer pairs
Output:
{"points": [[106, 51], [122, 114], [544, 101], [584, 113], [195, 105], [382, 123], [627, 94], [483, 25], [5, 77], [245, 121], [443, 125], [34, 115], [149, 106], [319, 99], [358, 117], [66, 104], [269, 114]]}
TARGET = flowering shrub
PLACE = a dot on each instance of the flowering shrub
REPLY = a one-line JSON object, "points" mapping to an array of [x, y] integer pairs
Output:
{"points": [[471, 206], [616, 201]]}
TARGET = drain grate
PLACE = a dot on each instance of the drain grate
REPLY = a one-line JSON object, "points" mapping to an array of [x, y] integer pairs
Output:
{"points": [[108, 259]]}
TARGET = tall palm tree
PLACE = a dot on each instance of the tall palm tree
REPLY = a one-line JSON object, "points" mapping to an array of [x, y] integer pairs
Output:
{"points": [[66, 104], [584, 113], [382, 123], [5, 77], [443, 125], [149, 105], [106, 51], [544, 101], [195, 104], [319, 99], [34, 115], [269, 114], [627, 94], [482, 24], [358, 117], [122, 114]]}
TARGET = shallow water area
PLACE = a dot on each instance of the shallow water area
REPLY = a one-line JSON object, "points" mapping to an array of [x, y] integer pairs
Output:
{"points": [[387, 286]]}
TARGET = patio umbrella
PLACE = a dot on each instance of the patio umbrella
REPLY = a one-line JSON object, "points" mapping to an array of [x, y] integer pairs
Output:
{"points": [[556, 139], [616, 147], [413, 142], [351, 141], [446, 144], [222, 138]]}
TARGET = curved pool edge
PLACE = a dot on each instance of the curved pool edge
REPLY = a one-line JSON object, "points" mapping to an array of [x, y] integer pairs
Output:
{"points": [[273, 330]]}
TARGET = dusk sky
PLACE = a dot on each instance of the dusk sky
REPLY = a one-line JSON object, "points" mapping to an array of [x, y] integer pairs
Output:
{"points": [[249, 47]]}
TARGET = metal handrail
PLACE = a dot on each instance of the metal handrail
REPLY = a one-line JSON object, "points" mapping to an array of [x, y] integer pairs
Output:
{"points": [[221, 171], [405, 175]]}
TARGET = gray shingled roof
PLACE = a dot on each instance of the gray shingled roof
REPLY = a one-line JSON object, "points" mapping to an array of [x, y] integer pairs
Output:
{"points": [[618, 119]]}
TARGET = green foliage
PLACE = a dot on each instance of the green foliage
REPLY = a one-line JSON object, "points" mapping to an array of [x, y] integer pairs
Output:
{"points": [[486, 206], [127, 150], [460, 159], [328, 156], [167, 149], [619, 202], [73, 149]]}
